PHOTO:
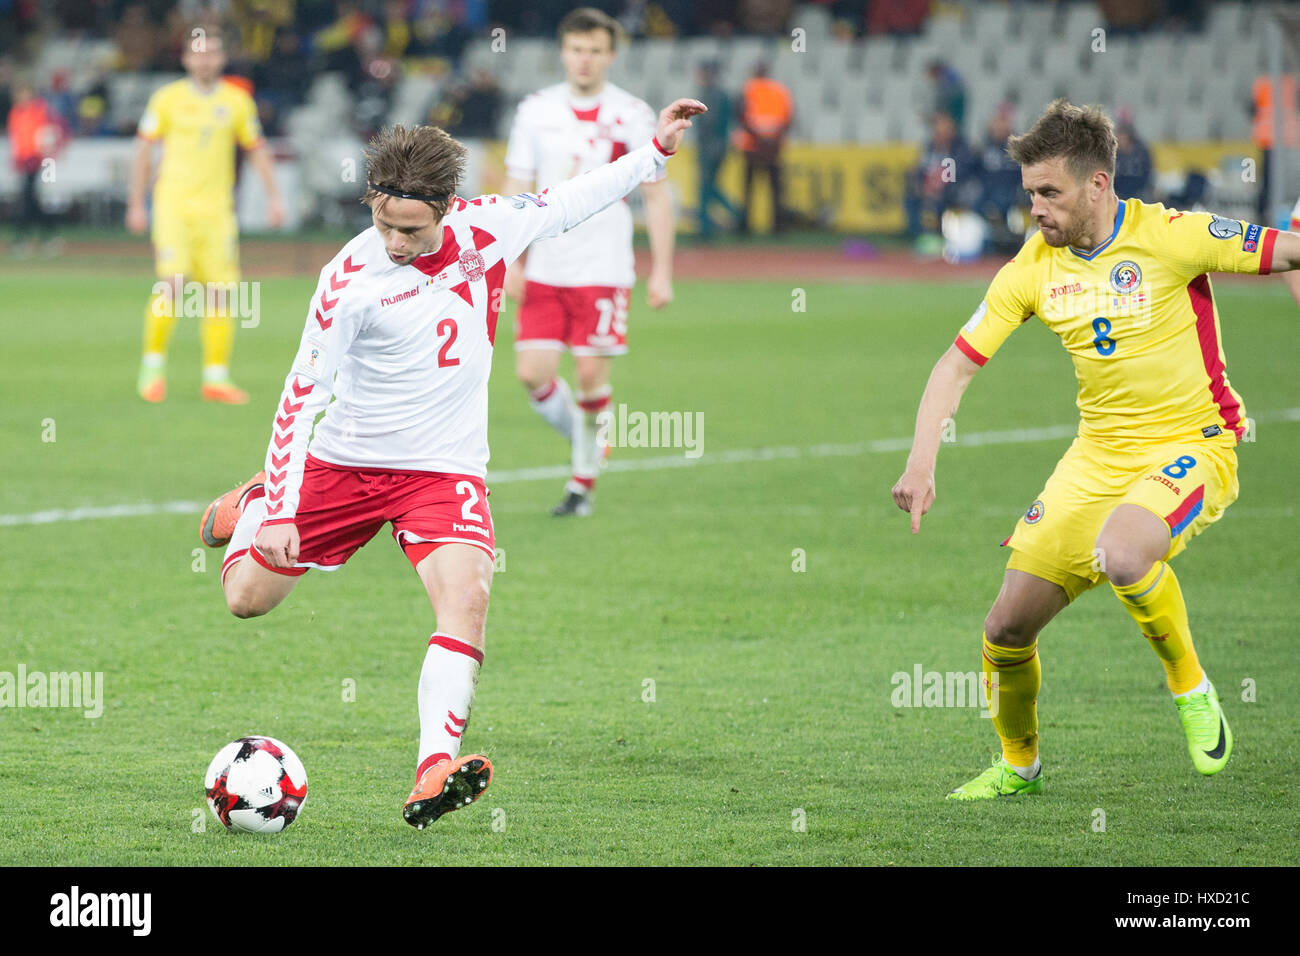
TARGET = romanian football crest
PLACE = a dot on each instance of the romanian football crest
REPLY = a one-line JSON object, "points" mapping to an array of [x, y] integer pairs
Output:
{"points": [[1034, 513], [1125, 277]]}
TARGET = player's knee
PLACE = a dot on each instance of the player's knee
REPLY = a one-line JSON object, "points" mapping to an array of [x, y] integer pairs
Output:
{"points": [[1007, 631], [1123, 566], [530, 376], [242, 604]]}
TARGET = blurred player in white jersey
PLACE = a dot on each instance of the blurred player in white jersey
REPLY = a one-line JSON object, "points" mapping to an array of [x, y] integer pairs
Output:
{"points": [[575, 289], [405, 315]]}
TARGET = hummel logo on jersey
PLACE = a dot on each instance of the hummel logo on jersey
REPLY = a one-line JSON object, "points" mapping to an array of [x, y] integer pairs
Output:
{"points": [[455, 526], [394, 299]]}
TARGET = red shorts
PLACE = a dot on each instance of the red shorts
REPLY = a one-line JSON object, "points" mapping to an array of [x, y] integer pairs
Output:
{"points": [[340, 509], [588, 319]]}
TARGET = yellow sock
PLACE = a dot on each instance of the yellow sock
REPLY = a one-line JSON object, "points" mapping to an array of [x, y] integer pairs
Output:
{"points": [[1012, 676], [1156, 603], [217, 335], [158, 324]]}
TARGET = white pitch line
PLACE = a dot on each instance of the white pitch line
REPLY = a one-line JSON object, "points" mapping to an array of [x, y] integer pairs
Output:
{"points": [[880, 446]]}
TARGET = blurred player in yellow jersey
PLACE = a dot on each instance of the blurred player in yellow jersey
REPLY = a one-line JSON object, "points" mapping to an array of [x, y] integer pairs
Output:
{"points": [[198, 120], [1125, 287]]}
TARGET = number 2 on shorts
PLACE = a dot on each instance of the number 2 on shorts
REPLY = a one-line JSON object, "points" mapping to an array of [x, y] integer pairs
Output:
{"points": [[467, 509]]}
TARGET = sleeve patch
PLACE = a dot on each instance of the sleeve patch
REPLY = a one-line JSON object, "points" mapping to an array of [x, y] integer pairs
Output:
{"points": [[1221, 228], [312, 359], [520, 200], [1250, 239], [973, 322]]}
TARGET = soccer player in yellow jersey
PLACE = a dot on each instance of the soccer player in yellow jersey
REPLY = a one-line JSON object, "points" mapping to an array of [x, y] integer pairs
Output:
{"points": [[198, 120], [1125, 287]]}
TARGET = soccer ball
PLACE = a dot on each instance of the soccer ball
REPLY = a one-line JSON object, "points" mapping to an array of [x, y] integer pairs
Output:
{"points": [[256, 784]]}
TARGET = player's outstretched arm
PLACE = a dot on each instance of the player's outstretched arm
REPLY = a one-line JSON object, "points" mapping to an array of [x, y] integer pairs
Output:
{"points": [[914, 491], [1286, 255]]}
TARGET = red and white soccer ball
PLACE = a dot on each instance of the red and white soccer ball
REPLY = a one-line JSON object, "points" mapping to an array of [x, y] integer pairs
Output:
{"points": [[256, 784]]}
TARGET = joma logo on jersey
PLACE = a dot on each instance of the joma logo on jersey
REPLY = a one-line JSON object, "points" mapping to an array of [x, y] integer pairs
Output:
{"points": [[1070, 288], [394, 299]]}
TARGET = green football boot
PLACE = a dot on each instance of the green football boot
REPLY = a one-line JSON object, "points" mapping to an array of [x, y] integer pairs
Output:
{"points": [[1209, 739], [998, 781]]}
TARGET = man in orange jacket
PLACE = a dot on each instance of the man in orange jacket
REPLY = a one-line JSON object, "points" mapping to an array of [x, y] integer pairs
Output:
{"points": [[35, 132], [766, 112]]}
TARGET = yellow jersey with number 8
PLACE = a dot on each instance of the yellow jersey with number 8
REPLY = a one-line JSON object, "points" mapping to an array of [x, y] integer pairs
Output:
{"points": [[1138, 317]]}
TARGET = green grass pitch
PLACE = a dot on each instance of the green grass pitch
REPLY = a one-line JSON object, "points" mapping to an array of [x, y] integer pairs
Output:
{"points": [[771, 737]]}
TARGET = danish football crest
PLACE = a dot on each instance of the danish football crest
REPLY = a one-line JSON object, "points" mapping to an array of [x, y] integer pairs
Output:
{"points": [[1125, 277], [472, 266]]}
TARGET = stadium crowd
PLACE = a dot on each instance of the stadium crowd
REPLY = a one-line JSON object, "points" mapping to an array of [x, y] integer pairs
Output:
{"points": [[280, 45]]}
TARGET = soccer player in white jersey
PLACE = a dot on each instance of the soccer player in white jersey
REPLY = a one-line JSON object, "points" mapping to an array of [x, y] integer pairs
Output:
{"points": [[575, 289], [406, 315]]}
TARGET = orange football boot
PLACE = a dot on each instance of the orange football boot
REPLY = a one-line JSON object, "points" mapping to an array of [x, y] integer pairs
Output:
{"points": [[152, 384], [228, 393], [219, 520], [447, 785]]}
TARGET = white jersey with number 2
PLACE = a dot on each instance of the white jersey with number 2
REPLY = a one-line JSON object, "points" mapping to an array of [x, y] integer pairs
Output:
{"points": [[405, 350]]}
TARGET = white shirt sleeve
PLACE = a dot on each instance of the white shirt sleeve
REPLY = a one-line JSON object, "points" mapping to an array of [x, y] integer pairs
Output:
{"points": [[519, 220], [521, 148], [332, 326]]}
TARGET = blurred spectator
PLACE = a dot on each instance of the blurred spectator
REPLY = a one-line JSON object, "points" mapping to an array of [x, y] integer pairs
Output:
{"points": [[936, 184], [35, 135], [947, 92], [764, 17], [998, 173], [471, 110], [1132, 165], [766, 110], [897, 16], [710, 131], [136, 39], [1264, 134], [281, 82]]}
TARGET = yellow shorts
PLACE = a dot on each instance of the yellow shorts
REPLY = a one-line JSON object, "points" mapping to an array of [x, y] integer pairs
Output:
{"points": [[1187, 484], [199, 243]]}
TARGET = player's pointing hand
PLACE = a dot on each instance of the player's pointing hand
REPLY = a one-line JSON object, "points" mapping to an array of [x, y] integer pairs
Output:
{"points": [[914, 493], [675, 119]]}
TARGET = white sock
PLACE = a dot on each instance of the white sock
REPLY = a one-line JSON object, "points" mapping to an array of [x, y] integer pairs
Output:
{"points": [[241, 539], [1027, 773], [554, 402], [153, 360], [587, 450], [1202, 688], [215, 373], [447, 683]]}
